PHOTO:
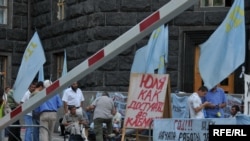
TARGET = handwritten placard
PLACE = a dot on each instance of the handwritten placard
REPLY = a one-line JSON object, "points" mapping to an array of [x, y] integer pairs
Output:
{"points": [[146, 99], [186, 129]]}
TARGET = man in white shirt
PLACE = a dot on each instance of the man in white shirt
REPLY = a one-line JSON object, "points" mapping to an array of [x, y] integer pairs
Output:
{"points": [[73, 96], [29, 134], [195, 104]]}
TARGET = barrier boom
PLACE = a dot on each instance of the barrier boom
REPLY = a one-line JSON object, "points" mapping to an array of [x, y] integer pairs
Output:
{"points": [[126, 40]]}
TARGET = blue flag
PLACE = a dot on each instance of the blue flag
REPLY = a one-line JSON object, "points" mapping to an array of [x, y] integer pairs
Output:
{"points": [[41, 74], [156, 48], [32, 61], [154, 55], [224, 51], [65, 70], [139, 63], [163, 57]]}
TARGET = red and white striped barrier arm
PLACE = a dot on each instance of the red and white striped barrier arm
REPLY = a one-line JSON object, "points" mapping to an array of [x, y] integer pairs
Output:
{"points": [[126, 40]]}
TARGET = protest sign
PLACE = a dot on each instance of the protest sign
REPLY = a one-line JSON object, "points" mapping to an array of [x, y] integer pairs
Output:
{"points": [[146, 99], [186, 129]]}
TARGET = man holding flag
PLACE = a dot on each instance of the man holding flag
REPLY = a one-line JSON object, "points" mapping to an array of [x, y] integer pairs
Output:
{"points": [[32, 61]]}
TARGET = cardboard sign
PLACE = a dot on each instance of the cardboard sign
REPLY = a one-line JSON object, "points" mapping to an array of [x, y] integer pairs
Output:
{"points": [[146, 99]]}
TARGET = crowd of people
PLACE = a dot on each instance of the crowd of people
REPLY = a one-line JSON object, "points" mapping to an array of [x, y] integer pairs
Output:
{"points": [[209, 103], [75, 115], [202, 104]]}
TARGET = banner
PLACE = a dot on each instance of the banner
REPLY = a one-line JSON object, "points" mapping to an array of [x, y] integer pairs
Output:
{"points": [[180, 108], [33, 60], [230, 102], [186, 129], [247, 95], [178, 103], [120, 101]]}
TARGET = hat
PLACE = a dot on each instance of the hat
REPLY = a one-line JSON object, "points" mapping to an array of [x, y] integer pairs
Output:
{"points": [[47, 83]]}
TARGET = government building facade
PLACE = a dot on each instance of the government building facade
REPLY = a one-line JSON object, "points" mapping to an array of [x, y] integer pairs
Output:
{"points": [[82, 27]]}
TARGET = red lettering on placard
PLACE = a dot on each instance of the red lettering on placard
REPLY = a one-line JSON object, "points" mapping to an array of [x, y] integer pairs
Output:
{"points": [[138, 122], [150, 95], [146, 106], [148, 81]]}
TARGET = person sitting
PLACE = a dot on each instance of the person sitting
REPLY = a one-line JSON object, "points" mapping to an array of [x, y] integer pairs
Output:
{"points": [[234, 110], [117, 122], [72, 121]]}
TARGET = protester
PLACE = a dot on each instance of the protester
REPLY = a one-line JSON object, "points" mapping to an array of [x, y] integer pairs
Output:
{"points": [[217, 98], [1, 111], [29, 134], [235, 109], [73, 96], [117, 119], [104, 110], [36, 116], [14, 132], [7, 91], [9, 105], [6, 108], [195, 104], [48, 114], [73, 120]]}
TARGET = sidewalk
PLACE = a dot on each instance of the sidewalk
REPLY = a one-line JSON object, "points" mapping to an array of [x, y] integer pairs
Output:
{"points": [[55, 136]]}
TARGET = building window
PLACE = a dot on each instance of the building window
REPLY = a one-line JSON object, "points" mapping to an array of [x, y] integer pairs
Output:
{"points": [[212, 3], [61, 9], [59, 64], [3, 11], [3, 71]]}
